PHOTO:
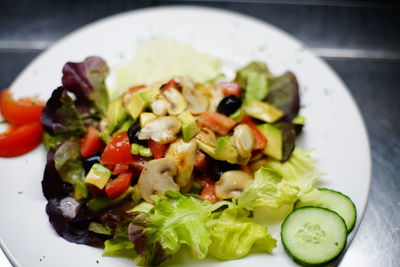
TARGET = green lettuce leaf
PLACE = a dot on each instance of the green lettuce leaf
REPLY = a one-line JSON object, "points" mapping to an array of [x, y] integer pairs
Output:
{"points": [[234, 235], [68, 163], [174, 221], [119, 247], [300, 170], [268, 189]]}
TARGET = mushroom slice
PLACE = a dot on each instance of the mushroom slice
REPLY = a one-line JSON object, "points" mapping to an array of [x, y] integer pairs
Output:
{"points": [[231, 184], [157, 178], [177, 103], [243, 140], [163, 130], [183, 154], [207, 137], [213, 93], [160, 105], [196, 99]]}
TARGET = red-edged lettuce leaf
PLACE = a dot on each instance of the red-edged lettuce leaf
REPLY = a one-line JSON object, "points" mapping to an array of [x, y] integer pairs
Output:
{"points": [[60, 117], [71, 218], [284, 94], [87, 81]]}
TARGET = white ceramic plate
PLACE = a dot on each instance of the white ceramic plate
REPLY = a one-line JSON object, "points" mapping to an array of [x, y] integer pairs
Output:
{"points": [[334, 125]]}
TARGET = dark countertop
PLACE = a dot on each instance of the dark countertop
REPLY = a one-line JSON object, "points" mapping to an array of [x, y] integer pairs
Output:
{"points": [[360, 40]]}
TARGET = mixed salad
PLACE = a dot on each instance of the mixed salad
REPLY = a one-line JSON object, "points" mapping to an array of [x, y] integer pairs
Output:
{"points": [[178, 163]]}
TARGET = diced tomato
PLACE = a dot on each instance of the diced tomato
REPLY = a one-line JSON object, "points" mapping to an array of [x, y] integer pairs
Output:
{"points": [[120, 168], [134, 89], [119, 185], [23, 111], [259, 140], [200, 162], [158, 150], [170, 84], [138, 163], [91, 143], [94, 190], [208, 191], [217, 122], [230, 88], [246, 168], [118, 150], [20, 139]]}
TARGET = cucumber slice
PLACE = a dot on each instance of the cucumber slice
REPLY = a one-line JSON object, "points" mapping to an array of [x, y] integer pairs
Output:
{"points": [[313, 235], [332, 200]]}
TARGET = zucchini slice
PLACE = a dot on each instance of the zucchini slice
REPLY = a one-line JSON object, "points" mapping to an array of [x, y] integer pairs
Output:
{"points": [[332, 200], [313, 235]]}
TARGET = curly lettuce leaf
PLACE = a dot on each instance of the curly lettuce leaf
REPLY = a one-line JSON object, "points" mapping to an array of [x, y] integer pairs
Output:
{"points": [[174, 221], [300, 170], [86, 80], [234, 235], [119, 247], [284, 94], [60, 116], [268, 189]]}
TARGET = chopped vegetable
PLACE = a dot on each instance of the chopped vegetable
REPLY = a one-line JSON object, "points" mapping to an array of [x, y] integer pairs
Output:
{"points": [[217, 122], [91, 143], [118, 150], [22, 111], [119, 185]]}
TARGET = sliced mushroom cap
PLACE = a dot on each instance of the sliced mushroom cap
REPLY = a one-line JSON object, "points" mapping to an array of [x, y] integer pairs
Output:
{"points": [[157, 178], [231, 184], [243, 140], [160, 105], [177, 103], [207, 137], [213, 93], [196, 99], [183, 154], [163, 130]]}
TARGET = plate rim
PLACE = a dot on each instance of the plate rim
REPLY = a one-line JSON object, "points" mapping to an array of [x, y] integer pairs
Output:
{"points": [[217, 11]]}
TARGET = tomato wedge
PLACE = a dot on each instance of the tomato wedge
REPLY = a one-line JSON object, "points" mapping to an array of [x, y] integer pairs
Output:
{"points": [[119, 185], [259, 140], [118, 150], [170, 84], [158, 150], [120, 168], [20, 139], [23, 111], [208, 191], [200, 162], [230, 88], [217, 122], [91, 143]]}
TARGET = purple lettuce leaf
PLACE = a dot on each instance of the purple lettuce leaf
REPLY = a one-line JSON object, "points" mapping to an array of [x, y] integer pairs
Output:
{"points": [[86, 80], [71, 218], [284, 94], [60, 117]]}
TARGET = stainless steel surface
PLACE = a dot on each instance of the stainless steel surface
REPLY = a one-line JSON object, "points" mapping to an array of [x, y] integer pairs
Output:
{"points": [[360, 40]]}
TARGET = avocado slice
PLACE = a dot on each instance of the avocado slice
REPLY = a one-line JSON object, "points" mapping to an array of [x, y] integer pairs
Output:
{"points": [[103, 202], [98, 176], [224, 150], [137, 149], [146, 117], [135, 106], [275, 140], [148, 95], [262, 111], [238, 115], [189, 126], [116, 115]]}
